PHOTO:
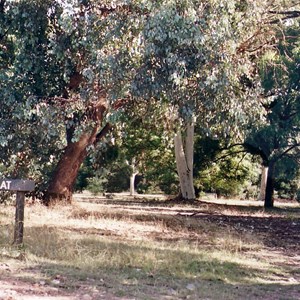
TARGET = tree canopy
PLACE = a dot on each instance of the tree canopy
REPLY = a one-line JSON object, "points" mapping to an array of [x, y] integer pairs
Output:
{"points": [[68, 67], [278, 137]]}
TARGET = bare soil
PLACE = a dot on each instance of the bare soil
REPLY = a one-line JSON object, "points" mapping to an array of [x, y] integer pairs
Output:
{"points": [[277, 229]]}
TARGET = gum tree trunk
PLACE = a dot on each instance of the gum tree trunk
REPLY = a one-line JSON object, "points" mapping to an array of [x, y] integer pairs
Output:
{"points": [[132, 180], [263, 183], [63, 180], [133, 174], [184, 162], [65, 174], [269, 200]]}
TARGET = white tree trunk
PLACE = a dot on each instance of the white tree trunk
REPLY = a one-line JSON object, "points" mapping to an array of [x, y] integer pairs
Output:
{"points": [[132, 180], [263, 183], [189, 149], [133, 174], [184, 162]]}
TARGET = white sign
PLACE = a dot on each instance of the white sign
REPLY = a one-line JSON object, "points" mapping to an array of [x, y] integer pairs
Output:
{"points": [[5, 185]]}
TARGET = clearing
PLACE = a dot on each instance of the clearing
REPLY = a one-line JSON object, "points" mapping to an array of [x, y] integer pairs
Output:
{"points": [[148, 247]]}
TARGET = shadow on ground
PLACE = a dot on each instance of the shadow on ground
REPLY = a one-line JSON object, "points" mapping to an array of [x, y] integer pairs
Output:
{"points": [[279, 227]]}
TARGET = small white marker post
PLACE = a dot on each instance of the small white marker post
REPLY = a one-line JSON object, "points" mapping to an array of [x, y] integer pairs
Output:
{"points": [[21, 187]]}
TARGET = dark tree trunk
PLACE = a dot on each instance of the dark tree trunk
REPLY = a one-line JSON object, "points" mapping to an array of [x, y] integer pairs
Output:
{"points": [[65, 174], [269, 200]]}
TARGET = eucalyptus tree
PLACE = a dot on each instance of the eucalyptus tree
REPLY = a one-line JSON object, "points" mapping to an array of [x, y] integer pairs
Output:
{"points": [[53, 78], [27, 71], [279, 136], [38, 72], [198, 56], [66, 65]]}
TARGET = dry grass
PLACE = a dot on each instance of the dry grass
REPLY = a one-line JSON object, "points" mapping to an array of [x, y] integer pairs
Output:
{"points": [[132, 249]]}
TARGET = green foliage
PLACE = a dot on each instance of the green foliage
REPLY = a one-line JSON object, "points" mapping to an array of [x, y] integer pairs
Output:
{"points": [[85, 175], [206, 150], [105, 170], [31, 135], [298, 195], [117, 178], [113, 178], [280, 77], [145, 144], [44, 45], [287, 178], [230, 176], [190, 59], [141, 143], [96, 185], [176, 57]]}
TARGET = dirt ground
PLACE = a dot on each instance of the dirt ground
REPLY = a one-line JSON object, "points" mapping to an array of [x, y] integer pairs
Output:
{"points": [[278, 230], [17, 289]]}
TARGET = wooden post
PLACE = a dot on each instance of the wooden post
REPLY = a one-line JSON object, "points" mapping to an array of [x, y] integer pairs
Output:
{"points": [[21, 187], [19, 220]]}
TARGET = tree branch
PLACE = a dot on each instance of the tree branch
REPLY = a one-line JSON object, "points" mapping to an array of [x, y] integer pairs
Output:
{"points": [[253, 150], [2, 4], [288, 150], [102, 133], [2, 10], [229, 154], [287, 15], [281, 16], [251, 46]]}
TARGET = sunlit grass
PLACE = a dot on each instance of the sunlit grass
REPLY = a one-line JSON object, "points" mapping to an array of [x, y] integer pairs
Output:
{"points": [[50, 236], [134, 246], [179, 259]]}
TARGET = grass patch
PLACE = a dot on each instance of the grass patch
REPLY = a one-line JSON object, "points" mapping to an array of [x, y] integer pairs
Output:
{"points": [[132, 251]]}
